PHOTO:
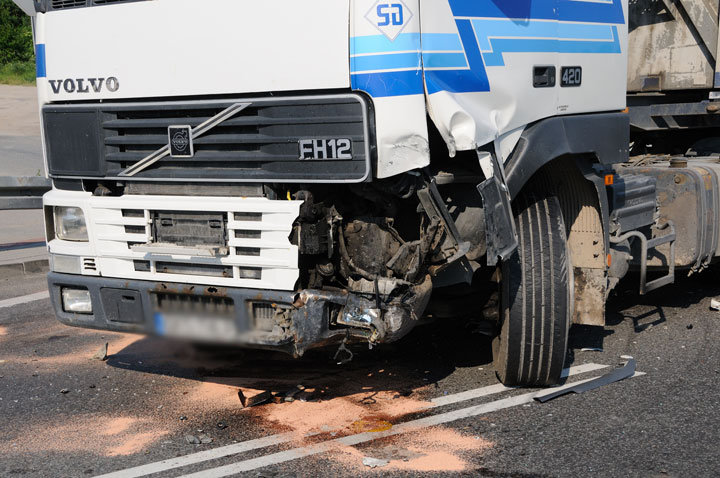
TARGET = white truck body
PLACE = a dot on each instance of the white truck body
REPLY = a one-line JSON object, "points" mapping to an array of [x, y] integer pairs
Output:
{"points": [[318, 169], [469, 64]]}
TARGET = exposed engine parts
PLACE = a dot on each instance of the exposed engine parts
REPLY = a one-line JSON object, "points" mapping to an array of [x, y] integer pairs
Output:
{"points": [[368, 243]]}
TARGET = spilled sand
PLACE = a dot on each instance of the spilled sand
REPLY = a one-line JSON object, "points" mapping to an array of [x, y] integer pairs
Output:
{"points": [[93, 433]]}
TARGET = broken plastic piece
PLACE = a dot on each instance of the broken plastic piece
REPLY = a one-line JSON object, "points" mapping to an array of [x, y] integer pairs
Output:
{"points": [[253, 401], [305, 395], [374, 462], [591, 349], [715, 304], [628, 370]]}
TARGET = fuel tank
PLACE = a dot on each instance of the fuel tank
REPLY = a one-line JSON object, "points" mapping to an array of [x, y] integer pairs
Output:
{"points": [[688, 193]]}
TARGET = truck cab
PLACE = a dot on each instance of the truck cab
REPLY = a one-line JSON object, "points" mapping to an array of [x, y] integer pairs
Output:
{"points": [[288, 174]]}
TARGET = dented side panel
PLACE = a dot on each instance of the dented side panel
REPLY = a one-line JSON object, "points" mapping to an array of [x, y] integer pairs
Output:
{"points": [[386, 63], [480, 61]]}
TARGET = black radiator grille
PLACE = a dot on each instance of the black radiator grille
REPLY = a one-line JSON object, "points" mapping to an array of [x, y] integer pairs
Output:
{"points": [[60, 4], [63, 4], [260, 143]]}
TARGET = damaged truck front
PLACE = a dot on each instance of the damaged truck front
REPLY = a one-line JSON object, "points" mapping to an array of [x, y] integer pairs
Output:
{"points": [[286, 174]]}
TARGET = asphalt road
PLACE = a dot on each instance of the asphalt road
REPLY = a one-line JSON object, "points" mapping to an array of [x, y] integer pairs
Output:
{"points": [[20, 144], [20, 155], [150, 397]]}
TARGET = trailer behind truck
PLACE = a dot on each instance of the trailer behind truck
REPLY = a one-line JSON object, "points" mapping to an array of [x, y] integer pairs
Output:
{"points": [[293, 174]]}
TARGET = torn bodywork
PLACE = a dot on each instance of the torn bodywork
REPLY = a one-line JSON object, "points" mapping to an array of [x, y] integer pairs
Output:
{"points": [[368, 259]]}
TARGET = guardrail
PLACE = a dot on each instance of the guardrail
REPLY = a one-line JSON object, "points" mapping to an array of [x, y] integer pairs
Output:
{"points": [[22, 192]]}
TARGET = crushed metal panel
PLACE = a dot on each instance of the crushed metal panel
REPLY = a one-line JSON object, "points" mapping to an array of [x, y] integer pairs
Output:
{"points": [[386, 63], [667, 51], [621, 373], [478, 60]]}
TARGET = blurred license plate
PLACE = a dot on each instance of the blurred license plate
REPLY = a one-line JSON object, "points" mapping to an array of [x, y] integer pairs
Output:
{"points": [[206, 328]]}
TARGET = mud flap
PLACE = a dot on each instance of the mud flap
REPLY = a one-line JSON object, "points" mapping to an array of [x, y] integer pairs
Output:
{"points": [[499, 223]]}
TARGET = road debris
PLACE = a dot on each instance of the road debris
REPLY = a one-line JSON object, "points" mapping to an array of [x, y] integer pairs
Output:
{"points": [[290, 396], [689, 326], [627, 370], [183, 418], [306, 395], [192, 440], [102, 353], [591, 349], [65, 390], [715, 304], [343, 349], [259, 399], [374, 462], [221, 425]]}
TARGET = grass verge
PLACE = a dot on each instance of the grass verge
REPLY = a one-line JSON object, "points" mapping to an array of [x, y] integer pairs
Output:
{"points": [[17, 73]]}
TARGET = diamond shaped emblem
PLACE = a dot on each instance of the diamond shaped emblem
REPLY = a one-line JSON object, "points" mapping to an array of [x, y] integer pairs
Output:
{"points": [[390, 17]]}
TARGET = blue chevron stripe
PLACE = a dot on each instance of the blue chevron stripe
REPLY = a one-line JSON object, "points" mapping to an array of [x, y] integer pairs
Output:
{"points": [[498, 46], [486, 29], [608, 11]]}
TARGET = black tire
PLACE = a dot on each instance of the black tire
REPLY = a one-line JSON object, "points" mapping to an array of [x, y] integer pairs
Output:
{"points": [[536, 297]]}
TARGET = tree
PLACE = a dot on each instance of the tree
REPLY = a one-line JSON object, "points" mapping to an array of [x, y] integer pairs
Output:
{"points": [[16, 42]]}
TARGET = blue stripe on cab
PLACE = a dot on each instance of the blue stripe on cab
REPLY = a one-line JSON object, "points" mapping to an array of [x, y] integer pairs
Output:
{"points": [[469, 80], [487, 29], [444, 60], [395, 83], [384, 62], [381, 44], [40, 68], [441, 42], [530, 45]]}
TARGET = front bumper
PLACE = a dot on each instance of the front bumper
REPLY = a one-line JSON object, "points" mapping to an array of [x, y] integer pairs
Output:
{"points": [[259, 319]]}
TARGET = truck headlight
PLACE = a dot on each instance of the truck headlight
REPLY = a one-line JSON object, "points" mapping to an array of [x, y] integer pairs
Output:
{"points": [[70, 224], [76, 301]]}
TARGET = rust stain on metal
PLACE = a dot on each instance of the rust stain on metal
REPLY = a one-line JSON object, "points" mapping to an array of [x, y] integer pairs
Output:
{"points": [[216, 291]]}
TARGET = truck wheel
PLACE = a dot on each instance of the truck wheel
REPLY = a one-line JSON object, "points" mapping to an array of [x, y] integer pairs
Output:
{"points": [[536, 300]]}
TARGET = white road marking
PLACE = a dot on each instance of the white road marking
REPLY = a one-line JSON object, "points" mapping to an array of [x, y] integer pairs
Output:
{"points": [[24, 299], [256, 444], [407, 427], [493, 389]]}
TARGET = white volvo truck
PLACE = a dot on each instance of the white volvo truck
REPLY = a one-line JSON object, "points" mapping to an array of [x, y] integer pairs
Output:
{"points": [[286, 174]]}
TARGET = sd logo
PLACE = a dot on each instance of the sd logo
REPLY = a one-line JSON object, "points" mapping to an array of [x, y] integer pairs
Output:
{"points": [[390, 13], [390, 17]]}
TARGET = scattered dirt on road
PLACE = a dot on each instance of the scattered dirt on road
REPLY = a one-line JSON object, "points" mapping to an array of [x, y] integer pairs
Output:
{"points": [[79, 355], [430, 450], [365, 410], [215, 396], [435, 450], [100, 434], [3, 331]]}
